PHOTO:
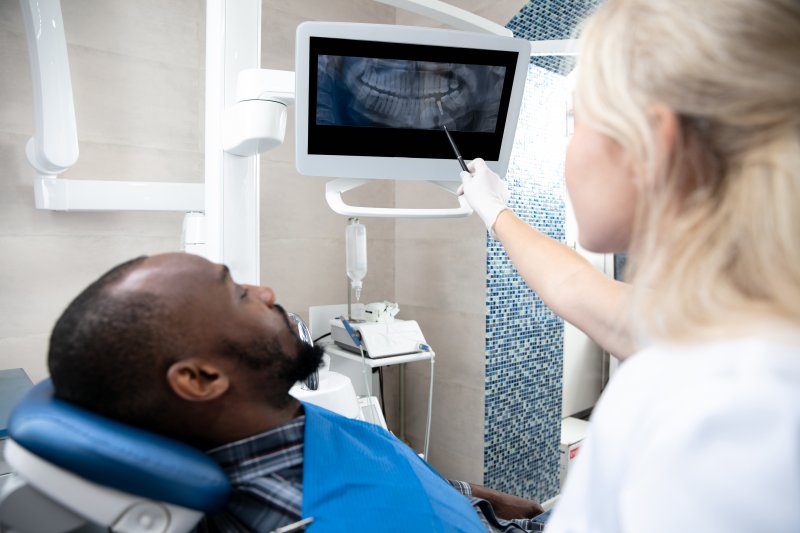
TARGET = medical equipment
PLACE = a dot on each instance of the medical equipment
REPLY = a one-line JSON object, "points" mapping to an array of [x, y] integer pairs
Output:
{"points": [[327, 389], [356, 255], [367, 98], [380, 339], [380, 311], [352, 364], [332, 390], [371, 100], [53, 148], [387, 337], [312, 381], [375, 332], [455, 149]]}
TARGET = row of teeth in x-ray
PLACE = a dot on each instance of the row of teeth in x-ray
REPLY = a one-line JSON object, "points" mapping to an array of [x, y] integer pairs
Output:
{"points": [[424, 112], [408, 84]]}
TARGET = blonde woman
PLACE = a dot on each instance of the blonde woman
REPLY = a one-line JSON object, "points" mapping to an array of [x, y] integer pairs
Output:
{"points": [[686, 153]]}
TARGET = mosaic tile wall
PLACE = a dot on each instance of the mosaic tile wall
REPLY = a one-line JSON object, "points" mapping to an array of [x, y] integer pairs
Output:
{"points": [[541, 20], [524, 339]]}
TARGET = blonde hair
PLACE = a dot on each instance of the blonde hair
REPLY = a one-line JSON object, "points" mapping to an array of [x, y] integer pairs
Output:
{"points": [[716, 239]]}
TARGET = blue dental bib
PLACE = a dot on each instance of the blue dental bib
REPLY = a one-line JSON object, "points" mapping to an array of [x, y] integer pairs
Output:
{"points": [[357, 477]]}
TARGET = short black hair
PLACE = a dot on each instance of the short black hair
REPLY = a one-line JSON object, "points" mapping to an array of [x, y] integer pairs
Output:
{"points": [[109, 350]]}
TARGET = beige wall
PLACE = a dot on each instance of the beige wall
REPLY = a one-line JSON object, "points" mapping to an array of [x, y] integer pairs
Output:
{"points": [[137, 72], [138, 77]]}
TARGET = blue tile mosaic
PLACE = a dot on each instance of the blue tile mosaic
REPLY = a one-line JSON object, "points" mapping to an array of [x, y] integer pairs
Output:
{"points": [[542, 20], [524, 339]]}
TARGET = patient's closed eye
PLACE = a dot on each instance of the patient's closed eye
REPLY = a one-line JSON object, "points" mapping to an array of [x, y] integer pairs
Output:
{"points": [[242, 292]]}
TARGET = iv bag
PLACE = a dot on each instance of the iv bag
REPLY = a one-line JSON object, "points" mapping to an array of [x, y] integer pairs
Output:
{"points": [[356, 251]]}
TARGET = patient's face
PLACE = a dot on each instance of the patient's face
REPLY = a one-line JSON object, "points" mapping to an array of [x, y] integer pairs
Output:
{"points": [[240, 326]]}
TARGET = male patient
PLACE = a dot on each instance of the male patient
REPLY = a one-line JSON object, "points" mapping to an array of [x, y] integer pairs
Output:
{"points": [[172, 344]]}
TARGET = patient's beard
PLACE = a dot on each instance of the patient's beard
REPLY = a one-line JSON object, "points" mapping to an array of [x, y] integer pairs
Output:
{"points": [[279, 370]]}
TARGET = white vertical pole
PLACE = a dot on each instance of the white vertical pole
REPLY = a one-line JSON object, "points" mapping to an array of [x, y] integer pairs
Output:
{"points": [[233, 43], [215, 37]]}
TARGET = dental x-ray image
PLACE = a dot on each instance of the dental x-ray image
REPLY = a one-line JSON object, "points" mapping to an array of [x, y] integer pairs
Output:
{"points": [[402, 93]]}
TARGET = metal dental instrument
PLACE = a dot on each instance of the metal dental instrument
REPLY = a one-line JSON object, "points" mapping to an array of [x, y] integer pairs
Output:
{"points": [[455, 149], [296, 526], [303, 333], [452, 142]]}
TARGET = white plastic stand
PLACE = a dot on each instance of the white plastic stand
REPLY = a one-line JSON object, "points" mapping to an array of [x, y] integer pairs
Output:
{"points": [[335, 188]]}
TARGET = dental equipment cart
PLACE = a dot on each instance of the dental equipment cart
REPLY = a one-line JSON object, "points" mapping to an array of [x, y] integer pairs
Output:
{"points": [[349, 364]]}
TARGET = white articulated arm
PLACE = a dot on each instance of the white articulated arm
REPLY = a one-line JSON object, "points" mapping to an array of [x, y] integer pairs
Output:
{"points": [[54, 146], [451, 15]]}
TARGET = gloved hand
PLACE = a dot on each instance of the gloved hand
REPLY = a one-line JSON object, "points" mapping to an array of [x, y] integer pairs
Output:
{"points": [[484, 191]]}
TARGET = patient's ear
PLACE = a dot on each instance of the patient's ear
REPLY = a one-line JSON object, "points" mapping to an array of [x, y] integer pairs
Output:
{"points": [[197, 380]]}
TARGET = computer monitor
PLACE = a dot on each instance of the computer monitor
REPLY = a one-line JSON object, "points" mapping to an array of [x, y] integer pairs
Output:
{"points": [[372, 100]]}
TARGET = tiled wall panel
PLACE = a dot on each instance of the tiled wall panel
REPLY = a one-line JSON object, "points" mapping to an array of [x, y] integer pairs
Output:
{"points": [[524, 339], [543, 20]]}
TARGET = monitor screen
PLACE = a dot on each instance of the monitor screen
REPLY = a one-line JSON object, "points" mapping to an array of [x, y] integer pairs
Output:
{"points": [[390, 94], [403, 93]]}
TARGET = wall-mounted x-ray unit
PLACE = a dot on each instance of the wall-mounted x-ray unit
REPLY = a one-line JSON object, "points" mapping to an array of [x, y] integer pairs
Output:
{"points": [[371, 100]]}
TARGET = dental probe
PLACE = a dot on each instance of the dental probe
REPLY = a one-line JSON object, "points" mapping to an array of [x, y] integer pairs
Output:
{"points": [[455, 149]]}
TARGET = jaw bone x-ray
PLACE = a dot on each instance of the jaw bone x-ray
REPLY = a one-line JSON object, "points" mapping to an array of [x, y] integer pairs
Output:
{"points": [[402, 93]]}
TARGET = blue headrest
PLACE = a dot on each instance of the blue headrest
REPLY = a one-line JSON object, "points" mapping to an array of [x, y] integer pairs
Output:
{"points": [[116, 455]]}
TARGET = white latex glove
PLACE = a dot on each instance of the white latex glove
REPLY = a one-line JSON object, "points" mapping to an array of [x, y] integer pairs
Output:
{"points": [[484, 191]]}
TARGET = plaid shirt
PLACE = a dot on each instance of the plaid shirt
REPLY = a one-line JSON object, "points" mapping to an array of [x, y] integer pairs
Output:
{"points": [[266, 473]]}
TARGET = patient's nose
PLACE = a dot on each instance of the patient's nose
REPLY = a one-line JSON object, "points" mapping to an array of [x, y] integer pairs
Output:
{"points": [[263, 293]]}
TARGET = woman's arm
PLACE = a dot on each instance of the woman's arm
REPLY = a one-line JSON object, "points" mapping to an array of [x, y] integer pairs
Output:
{"points": [[569, 285], [566, 282]]}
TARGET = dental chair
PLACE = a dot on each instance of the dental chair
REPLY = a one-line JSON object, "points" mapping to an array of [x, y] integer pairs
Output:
{"points": [[75, 471]]}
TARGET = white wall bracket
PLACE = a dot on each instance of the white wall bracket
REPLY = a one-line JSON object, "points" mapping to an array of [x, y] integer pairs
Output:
{"points": [[95, 195], [252, 127], [257, 121], [335, 188]]}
